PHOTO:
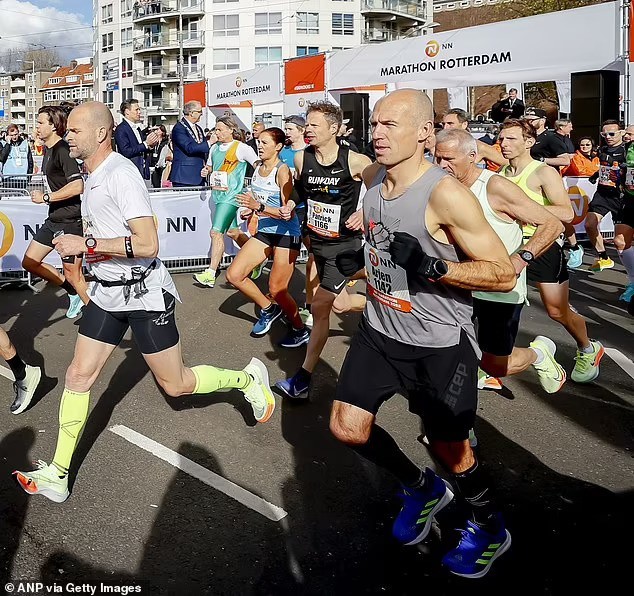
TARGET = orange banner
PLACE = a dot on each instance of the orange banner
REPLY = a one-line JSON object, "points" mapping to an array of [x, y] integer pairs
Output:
{"points": [[305, 75], [196, 92]]}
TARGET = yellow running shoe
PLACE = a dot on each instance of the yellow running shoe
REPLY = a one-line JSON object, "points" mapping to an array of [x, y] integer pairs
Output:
{"points": [[601, 264], [206, 278], [551, 374], [44, 481], [586, 367], [258, 393]]}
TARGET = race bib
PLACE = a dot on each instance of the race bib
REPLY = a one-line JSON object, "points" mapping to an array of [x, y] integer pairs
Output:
{"points": [[323, 218], [387, 282], [18, 161], [629, 178], [219, 180], [606, 176]]}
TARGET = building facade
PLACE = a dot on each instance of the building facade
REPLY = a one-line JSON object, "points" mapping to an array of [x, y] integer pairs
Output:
{"points": [[139, 44], [69, 83], [21, 98]]}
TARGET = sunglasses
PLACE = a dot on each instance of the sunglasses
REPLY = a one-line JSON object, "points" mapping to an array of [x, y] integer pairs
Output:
{"points": [[610, 134]]}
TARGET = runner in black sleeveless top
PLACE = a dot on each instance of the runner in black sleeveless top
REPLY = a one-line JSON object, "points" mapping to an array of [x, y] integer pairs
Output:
{"points": [[330, 178]]}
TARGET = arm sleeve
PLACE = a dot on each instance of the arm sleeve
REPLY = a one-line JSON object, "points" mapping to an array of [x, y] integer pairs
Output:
{"points": [[125, 146], [246, 153], [187, 144], [69, 165], [136, 200]]}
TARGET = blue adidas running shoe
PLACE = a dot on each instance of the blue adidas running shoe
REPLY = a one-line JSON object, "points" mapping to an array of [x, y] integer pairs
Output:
{"points": [[477, 550], [420, 505]]}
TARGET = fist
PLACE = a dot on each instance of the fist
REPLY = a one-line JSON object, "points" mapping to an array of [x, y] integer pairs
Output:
{"points": [[350, 261], [406, 251]]}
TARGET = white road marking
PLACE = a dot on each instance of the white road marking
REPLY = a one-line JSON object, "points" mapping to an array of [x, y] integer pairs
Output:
{"points": [[7, 373], [243, 496], [622, 360]]}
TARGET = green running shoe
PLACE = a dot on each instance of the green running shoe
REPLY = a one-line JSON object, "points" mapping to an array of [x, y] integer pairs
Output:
{"points": [[44, 481], [257, 271], [551, 374], [586, 367], [206, 278], [258, 393]]}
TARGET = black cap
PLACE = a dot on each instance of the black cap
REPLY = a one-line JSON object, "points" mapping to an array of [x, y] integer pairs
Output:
{"points": [[297, 120], [535, 112]]}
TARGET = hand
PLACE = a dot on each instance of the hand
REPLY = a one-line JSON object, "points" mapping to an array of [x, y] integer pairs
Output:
{"points": [[205, 172], [593, 179], [69, 245], [247, 201], [407, 253], [152, 139], [350, 261], [355, 221], [245, 214], [518, 263], [286, 212], [37, 196]]}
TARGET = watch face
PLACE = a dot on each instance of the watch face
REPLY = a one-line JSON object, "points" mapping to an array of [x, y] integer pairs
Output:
{"points": [[91, 243], [526, 255]]}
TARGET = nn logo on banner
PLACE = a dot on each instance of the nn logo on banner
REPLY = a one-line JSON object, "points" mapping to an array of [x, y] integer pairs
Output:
{"points": [[181, 224], [8, 234]]}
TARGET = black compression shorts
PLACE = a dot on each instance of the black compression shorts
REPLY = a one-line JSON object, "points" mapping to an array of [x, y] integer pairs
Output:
{"points": [[325, 252]]}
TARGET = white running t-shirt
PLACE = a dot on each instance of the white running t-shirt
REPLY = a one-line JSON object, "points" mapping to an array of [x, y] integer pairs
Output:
{"points": [[114, 194]]}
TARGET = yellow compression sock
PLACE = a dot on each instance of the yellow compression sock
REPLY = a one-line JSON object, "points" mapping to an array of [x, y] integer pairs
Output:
{"points": [[73, 411], [210, 379]]}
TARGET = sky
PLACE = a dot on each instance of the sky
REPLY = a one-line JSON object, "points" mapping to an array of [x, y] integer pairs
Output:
{"points": [[64, 25]]}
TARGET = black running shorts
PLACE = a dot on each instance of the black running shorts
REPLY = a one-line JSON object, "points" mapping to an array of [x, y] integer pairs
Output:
{"points": [[49, 229], [441, 383], [497, 324], [279, 240], [604, 202], [153, 331], [330, 278], [550, 268], [626, 215]]}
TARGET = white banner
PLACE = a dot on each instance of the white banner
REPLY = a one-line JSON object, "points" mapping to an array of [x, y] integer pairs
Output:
{"points": [[564, 95], [458, 98], [539, 48], [259, 85], [298, 104], [581, 192]]}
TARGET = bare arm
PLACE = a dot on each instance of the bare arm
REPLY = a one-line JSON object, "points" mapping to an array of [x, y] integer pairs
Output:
{"points": [[506, 197], [487, 152], [72, 189], [357, 162], [455, 209], [561, 161], [553, 189], [299, 162]]}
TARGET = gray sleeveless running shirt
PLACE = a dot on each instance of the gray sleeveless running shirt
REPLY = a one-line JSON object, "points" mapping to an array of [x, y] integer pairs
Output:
{"points": [[437, 311]]}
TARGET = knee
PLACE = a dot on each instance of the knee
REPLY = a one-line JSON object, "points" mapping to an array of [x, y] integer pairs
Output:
{"points": [[556, 313], [348, 433], [276, 287], [234, 233], [28, 263], [619, 243], [78, 378], [340, 307], [233, 277]]}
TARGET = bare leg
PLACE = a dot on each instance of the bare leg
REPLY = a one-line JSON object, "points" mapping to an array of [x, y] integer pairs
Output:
{"points": [[556, 301], [322, 306]]}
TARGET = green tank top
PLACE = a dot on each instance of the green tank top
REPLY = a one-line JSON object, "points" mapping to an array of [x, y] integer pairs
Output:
{"points": [[629, 172], [522, 181], [228, 173]]}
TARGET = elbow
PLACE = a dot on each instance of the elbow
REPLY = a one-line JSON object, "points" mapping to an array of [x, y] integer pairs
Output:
{"points": [[153, 249], [570, 215], [506, 279]]}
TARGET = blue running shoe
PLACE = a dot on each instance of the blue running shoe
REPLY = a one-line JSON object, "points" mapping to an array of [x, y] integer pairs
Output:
{"points": [[296, 338], [575, 258], [420, 505], [476, 551], [629, 292], [294, 387], [75, 306], [267, 318]]}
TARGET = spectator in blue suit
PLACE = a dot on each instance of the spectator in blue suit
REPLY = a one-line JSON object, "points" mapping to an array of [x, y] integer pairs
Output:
{"points": [[190, 147], [131, 141]]}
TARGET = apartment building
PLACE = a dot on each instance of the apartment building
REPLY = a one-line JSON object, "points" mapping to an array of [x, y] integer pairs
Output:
{"points": [[139, 43], [69, 83]]}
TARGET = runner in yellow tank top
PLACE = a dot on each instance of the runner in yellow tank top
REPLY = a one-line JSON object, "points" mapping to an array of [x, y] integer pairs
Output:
{"points": [[543, 184]]}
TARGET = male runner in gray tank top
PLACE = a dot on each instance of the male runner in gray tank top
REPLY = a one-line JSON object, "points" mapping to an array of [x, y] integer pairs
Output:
{"points": [[428, 246]]}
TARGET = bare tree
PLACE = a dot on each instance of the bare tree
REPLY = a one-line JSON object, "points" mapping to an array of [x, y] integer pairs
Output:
{"points": [[527, 8], [14, 59]]}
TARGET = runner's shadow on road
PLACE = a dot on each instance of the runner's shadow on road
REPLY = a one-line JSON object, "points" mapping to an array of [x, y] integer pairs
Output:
{"points": [[13, 500], [201, 542], [234, 398]]}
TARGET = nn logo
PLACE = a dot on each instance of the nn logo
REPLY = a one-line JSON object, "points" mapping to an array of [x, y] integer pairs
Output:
{"points": [[181, 224], [8, 234], [433, 48], [580, 203]]}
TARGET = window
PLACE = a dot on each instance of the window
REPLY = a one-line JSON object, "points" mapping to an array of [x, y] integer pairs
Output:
{"points": [[190, 64], [31, 103], [108, 99], [4, 81], [342, 23], [189, 3], [126, 37], [307, 22], [126, 8], [89, 77], [127, 93], [228, 59], [223, 1], [266, 56], [72, 79], [191, 29], [4, 93], [267, 23], [126, 67], [32, 90], [225, 25], [106, 14], [104, 70], [107, 43], [307, 50], [55, 80]]}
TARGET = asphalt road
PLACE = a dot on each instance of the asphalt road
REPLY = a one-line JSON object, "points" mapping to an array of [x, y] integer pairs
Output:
{"points": [[562, 466]]}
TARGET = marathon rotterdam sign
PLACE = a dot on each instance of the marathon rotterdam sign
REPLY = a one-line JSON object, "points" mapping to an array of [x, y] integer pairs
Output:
{"points": [[259, 85]]}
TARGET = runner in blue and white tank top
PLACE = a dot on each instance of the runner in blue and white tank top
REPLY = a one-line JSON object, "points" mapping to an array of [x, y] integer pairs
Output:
{"points": [[277, 234]]}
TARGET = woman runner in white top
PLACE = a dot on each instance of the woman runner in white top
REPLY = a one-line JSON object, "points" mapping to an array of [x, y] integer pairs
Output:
{"points": [[278, 234]]}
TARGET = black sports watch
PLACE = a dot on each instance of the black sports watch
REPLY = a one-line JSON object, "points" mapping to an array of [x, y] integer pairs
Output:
{"points": [[438, 270], [261, 208], [527, 256], [46, 197]]}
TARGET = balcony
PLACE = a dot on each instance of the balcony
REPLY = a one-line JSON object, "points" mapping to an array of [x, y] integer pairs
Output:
{"points": [[160, 107], [17, 83], [166, 75], [18, 121], [18, 96], [168, 41], [407, 9], [149, 11]]}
